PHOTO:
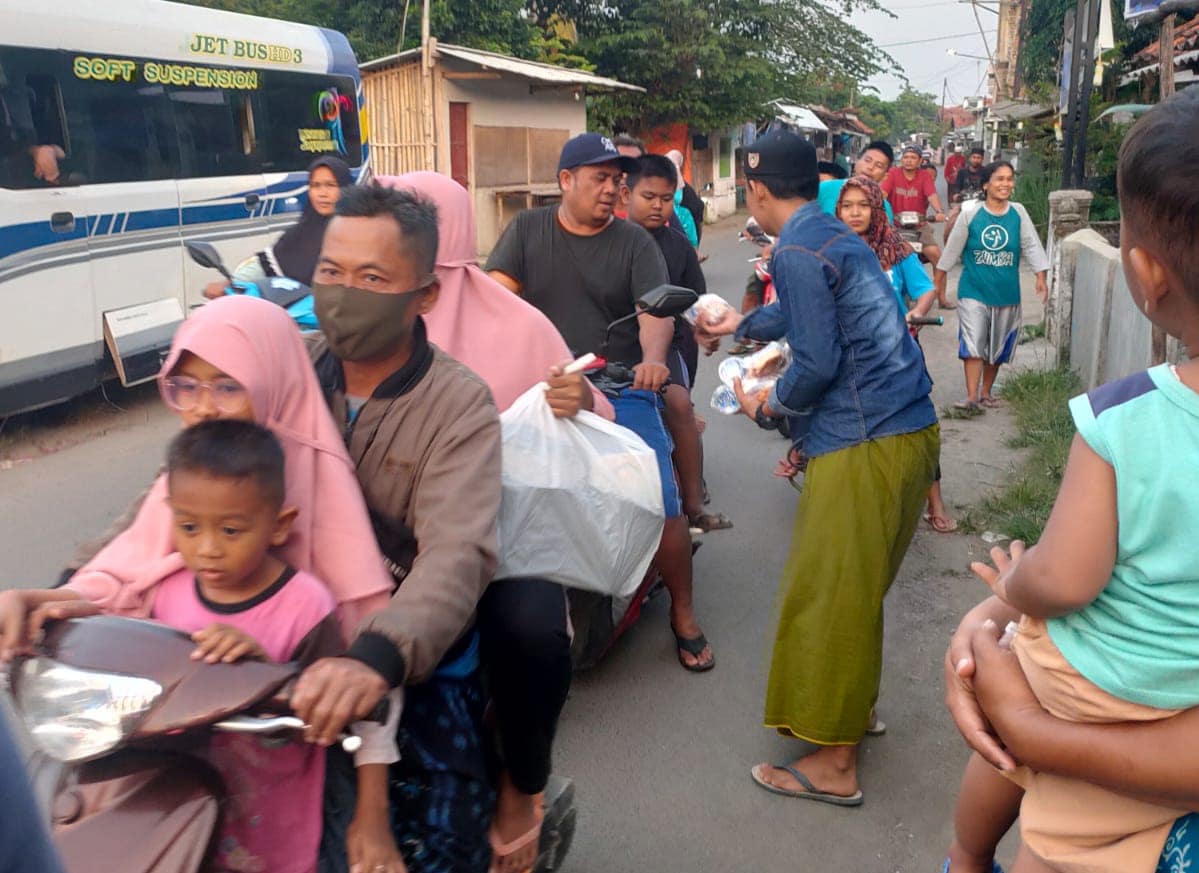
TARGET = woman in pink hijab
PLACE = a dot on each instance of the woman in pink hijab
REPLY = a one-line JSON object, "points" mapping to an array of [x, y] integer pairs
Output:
{"points": [[247, 342], [522, 622]]}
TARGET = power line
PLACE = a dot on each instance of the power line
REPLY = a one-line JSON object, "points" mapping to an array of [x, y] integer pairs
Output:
{"points": [[931, 39]]}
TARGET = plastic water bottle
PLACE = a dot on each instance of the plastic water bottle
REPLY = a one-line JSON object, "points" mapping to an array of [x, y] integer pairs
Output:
{"points": [[724, 400]]}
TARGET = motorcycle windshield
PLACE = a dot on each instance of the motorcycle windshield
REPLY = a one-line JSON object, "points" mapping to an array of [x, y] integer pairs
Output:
{"points": [[194, 693]]}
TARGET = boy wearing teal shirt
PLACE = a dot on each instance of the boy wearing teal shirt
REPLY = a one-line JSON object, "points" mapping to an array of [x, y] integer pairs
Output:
{"points": [[1109, 596]]}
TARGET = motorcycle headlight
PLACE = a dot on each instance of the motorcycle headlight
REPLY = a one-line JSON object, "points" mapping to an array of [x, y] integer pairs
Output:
{"points": [[75, 714]]}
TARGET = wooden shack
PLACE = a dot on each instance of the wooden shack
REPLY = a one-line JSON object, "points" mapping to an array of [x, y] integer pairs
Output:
{"points": [[494, 123]]}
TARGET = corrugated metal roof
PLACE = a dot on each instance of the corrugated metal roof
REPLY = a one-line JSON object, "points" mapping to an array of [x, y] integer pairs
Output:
{"points": [[797, 116], [539, 72]]}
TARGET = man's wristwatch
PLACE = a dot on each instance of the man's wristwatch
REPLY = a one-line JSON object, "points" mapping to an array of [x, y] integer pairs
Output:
{"points": [[764, 421]]}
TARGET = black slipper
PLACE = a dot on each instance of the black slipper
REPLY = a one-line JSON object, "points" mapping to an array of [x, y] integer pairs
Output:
{"points": [[693, 647]]}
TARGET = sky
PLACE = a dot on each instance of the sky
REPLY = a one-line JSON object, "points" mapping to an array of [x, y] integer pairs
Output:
{"points": [[926, 63]]}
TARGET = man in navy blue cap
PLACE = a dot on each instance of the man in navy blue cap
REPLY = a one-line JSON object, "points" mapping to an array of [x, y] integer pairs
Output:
{"points": [[857, 394], [584, 269]]}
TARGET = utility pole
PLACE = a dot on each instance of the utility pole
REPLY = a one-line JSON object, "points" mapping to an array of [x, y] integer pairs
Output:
{"points": [[1165, 69], [944, 92], [426, 71], [1084, 104], [1069, 129]]}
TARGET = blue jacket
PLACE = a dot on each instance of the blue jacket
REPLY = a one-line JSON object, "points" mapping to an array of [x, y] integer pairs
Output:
{"points": [[856, 374]]}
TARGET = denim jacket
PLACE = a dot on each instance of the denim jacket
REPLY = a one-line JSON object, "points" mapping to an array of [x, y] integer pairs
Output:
{"points": [[856, 374]]}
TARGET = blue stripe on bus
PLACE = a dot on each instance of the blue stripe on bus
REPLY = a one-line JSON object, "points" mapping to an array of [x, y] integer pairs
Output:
{"points": [[152, 219]]}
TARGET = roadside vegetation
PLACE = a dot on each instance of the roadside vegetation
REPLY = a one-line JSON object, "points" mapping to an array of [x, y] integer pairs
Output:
{"points": [[1038, 399]]}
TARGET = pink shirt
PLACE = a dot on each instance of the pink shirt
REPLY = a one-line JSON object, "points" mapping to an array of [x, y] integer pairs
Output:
{"points": [[272, 821]]}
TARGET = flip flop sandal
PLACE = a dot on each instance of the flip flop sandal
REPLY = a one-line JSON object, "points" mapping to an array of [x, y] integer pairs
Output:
{"points": [[991, 402], [995, 868], [810, 792], [501, 852], [968, 406], [877, 726], [710, 521], [941, 524], [693, 647]]}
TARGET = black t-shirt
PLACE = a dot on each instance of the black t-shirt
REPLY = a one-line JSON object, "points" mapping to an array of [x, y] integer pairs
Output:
{"points": [[582, 283], [970, 181], [682, 265]]}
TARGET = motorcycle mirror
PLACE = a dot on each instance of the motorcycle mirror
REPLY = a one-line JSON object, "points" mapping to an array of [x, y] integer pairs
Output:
{"points": [[206, 255], [667, 301]]}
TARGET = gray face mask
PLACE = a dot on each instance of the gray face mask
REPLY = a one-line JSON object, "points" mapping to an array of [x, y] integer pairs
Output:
{"points": [[362, 325]]}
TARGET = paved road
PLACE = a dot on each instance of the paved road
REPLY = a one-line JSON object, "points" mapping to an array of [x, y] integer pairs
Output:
{"points": [[661, 757]]}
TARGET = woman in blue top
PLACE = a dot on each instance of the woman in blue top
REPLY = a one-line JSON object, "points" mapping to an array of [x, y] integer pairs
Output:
{"points": [[861, 206], [990, 240]]}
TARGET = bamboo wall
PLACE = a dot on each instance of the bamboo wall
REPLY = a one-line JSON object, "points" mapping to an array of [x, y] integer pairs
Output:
{"points": [[393, 99]]}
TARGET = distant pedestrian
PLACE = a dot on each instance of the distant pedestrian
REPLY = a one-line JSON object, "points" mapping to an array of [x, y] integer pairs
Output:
{"points": [[688, 206], [953, 163], [991, 239]]}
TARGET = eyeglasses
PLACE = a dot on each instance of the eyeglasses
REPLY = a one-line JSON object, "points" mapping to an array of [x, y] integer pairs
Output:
{"points": [[182, 393]]}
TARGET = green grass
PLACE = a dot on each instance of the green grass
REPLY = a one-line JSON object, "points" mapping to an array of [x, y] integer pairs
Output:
{"points": [[1038, 400], [1032, 332]]}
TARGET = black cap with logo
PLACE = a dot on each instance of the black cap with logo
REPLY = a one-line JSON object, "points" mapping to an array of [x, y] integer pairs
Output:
{"points": [[781, 153], [588, 149]]}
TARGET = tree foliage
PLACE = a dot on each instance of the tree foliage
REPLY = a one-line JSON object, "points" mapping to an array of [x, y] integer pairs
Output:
{"points": [[713, 63], [910, 112]]}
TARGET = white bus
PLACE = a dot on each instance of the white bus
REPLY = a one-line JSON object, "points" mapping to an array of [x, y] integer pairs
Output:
{"points": [[162, 123]]}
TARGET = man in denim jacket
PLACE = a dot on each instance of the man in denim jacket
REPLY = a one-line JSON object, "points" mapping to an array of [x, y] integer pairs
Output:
{"points": [[858, 389]]}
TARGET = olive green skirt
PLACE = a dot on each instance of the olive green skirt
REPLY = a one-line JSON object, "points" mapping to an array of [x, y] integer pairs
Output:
{"points": [[857, 515]]}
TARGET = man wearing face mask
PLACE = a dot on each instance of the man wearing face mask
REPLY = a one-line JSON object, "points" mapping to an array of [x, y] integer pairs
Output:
{"points": [[424, 436]]}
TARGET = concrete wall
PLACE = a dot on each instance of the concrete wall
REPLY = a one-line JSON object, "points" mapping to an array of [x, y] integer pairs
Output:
{"points": [[1109, 337]]}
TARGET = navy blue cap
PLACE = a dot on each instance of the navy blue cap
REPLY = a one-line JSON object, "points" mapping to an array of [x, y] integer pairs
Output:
{"points": [[781, 153], [593, 148]]}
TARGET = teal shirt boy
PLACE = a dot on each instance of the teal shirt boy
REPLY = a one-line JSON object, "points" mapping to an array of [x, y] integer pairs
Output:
{"points": [[1139, 639]]}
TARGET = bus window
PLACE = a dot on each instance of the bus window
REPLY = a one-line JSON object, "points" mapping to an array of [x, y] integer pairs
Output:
{"points": [[216, 132], [303, 116], [127, 130], [31, 114]]}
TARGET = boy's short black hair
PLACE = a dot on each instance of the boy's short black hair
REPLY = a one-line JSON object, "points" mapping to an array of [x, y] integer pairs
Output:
{"points": [[653, 167], [883, 146], [789, 187], [829, 168], [1159, 192], [231, 449], [629, 141], [414, 213], [978, 150]]}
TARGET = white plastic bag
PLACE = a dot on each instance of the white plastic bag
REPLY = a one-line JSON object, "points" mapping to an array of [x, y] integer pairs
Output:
{"points": [[582, 499]]}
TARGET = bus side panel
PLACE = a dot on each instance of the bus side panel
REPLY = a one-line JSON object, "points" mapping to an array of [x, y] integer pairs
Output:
{"points": [[48, 343]]}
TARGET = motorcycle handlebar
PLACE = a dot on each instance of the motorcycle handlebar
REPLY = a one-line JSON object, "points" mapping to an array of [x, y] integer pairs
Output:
{"points": [[935, 320]]}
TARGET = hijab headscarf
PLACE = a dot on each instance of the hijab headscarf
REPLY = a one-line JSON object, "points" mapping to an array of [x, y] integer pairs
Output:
{"points": [[294, 254], [255, 342], [880, 235], [676, 157], [509, 343]]}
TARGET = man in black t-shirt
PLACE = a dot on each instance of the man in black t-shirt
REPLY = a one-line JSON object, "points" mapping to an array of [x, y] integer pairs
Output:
{"points": [[584, 269], [648, 195]]}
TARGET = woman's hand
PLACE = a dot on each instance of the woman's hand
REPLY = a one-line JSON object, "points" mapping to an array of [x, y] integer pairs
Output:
{"points": [[997, 577], [791, 464], [370, 847], [1003, 692], [750, 403], [1042, 289], [223, 644], [215, 290], [959, 668], [24, 612]]}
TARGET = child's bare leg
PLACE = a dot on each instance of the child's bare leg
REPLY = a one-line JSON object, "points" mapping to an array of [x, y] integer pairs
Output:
{"points": [[1028, 862], [988, 805]]}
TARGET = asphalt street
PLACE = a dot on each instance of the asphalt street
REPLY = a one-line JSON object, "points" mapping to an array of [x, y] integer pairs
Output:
{"points": [[661, 757]]}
